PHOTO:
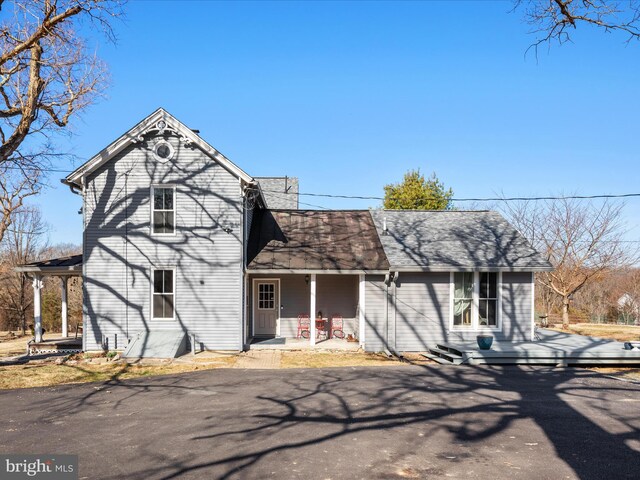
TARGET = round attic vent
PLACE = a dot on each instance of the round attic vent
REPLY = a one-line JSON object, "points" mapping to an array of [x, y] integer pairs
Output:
{"points": [[163, 151]]}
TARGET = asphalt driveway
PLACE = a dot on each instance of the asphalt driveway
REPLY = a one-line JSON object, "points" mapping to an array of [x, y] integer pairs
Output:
{"points": [[370, 423]]}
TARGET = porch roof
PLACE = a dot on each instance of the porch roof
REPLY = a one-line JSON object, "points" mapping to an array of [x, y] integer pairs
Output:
{"points": [[69, 265], [322, 240]]}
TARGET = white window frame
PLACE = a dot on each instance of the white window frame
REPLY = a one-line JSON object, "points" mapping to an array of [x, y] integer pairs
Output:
{"points": [[153, 210], [475, 305], [175, 292]]}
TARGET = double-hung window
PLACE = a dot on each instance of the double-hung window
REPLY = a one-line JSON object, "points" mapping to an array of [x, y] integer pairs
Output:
{"points": [[163, 295], [462, 299], [488, 299], [474, 300], [163, 212]]}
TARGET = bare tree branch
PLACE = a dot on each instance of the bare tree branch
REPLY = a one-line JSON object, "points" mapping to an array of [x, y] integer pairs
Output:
{"points": [[581, 240], [47, 76], [554, 20]]}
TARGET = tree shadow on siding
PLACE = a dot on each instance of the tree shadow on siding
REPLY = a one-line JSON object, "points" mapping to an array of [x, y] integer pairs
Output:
{"points": [[118, 241]]}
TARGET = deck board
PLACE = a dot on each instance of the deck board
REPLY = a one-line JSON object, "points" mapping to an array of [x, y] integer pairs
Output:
{"points": [[551, 348]]}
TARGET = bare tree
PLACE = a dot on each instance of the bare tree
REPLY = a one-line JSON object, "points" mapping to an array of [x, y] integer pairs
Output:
{"points": [[581, 240], [554, 20], [24, 242], [47, 76]]}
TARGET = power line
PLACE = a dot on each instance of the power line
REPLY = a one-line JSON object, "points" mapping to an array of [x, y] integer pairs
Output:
{"points": [[485, 199], [364, 197]]}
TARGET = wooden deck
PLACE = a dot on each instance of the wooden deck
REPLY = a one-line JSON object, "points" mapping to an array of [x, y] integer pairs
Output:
{"points": [[551, 348], [56, 345]]}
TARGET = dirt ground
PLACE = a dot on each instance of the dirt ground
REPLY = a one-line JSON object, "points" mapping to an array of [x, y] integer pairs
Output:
{"points": [[81, 368]]}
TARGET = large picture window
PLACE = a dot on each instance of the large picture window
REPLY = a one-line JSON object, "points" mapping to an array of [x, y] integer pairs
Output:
{"points": [[475, 303], [163, 294], [163, 213]]}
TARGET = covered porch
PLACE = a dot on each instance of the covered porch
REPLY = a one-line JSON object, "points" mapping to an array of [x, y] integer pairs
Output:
{"points": [[306, 273], [63, 268], [302, 310]]}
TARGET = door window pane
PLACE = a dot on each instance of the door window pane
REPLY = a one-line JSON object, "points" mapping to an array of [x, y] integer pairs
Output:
{"points": [[266, 296]]}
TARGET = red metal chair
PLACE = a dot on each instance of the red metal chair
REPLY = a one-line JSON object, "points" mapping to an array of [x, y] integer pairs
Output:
{"points": [[337, 325], [304, 326]]}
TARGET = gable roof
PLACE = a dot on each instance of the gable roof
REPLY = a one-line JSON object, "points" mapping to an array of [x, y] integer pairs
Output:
{"points": [[454, 240], [136, 134], [291, 240], [279, 192]]}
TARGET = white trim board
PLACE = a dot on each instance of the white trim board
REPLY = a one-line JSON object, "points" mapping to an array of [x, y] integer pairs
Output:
{"points": [[475, 304], [134, 135]]}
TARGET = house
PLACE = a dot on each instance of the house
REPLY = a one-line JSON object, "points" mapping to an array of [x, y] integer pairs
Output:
{"points": [[178, 238]]}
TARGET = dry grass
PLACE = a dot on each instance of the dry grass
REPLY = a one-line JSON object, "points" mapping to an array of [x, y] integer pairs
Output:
{"points": [[11, 346], [620, 333], [47, 374], [632, 374], [334, 359]]}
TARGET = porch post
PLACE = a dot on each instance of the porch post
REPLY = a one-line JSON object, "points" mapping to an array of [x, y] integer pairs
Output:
{"points": [[361, 303], [312, 311], [37, 310], [64, 314]]}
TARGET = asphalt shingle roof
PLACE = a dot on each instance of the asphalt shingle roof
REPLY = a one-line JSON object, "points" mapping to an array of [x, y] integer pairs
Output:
{"points": [[315, 240], [440, 240]]}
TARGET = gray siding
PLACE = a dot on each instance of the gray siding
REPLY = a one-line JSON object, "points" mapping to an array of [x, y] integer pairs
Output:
{"points": [[517, 292], [334, 294], [419, 315], [374, 319], [119, 251]]}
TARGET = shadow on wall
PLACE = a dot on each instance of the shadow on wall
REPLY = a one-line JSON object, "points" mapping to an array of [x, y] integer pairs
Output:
{"points": [[119, 251], [495, 244]]}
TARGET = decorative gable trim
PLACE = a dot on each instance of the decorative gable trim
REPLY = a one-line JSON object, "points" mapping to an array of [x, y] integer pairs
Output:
{"points": [[159, 121]]}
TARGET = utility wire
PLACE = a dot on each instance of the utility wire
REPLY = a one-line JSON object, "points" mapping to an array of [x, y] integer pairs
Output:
{"points": [[364, 197], [485, 199]]}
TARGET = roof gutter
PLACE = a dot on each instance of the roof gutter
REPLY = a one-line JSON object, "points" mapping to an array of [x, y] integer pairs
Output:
{"points": [[74, 187], [470, 268]]}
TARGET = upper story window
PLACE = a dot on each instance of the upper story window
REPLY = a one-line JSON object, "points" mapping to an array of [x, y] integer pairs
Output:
{"points": [[474, 300], [163, 213]]}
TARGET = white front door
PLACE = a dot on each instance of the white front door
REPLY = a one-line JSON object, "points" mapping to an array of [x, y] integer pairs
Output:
{"points": [[265, 307]]}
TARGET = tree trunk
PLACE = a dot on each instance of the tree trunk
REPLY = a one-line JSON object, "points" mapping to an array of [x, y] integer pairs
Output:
{"points": [[565, 313]]}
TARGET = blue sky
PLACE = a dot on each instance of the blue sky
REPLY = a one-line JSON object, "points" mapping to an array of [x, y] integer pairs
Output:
{"points": [[349, 96]]}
